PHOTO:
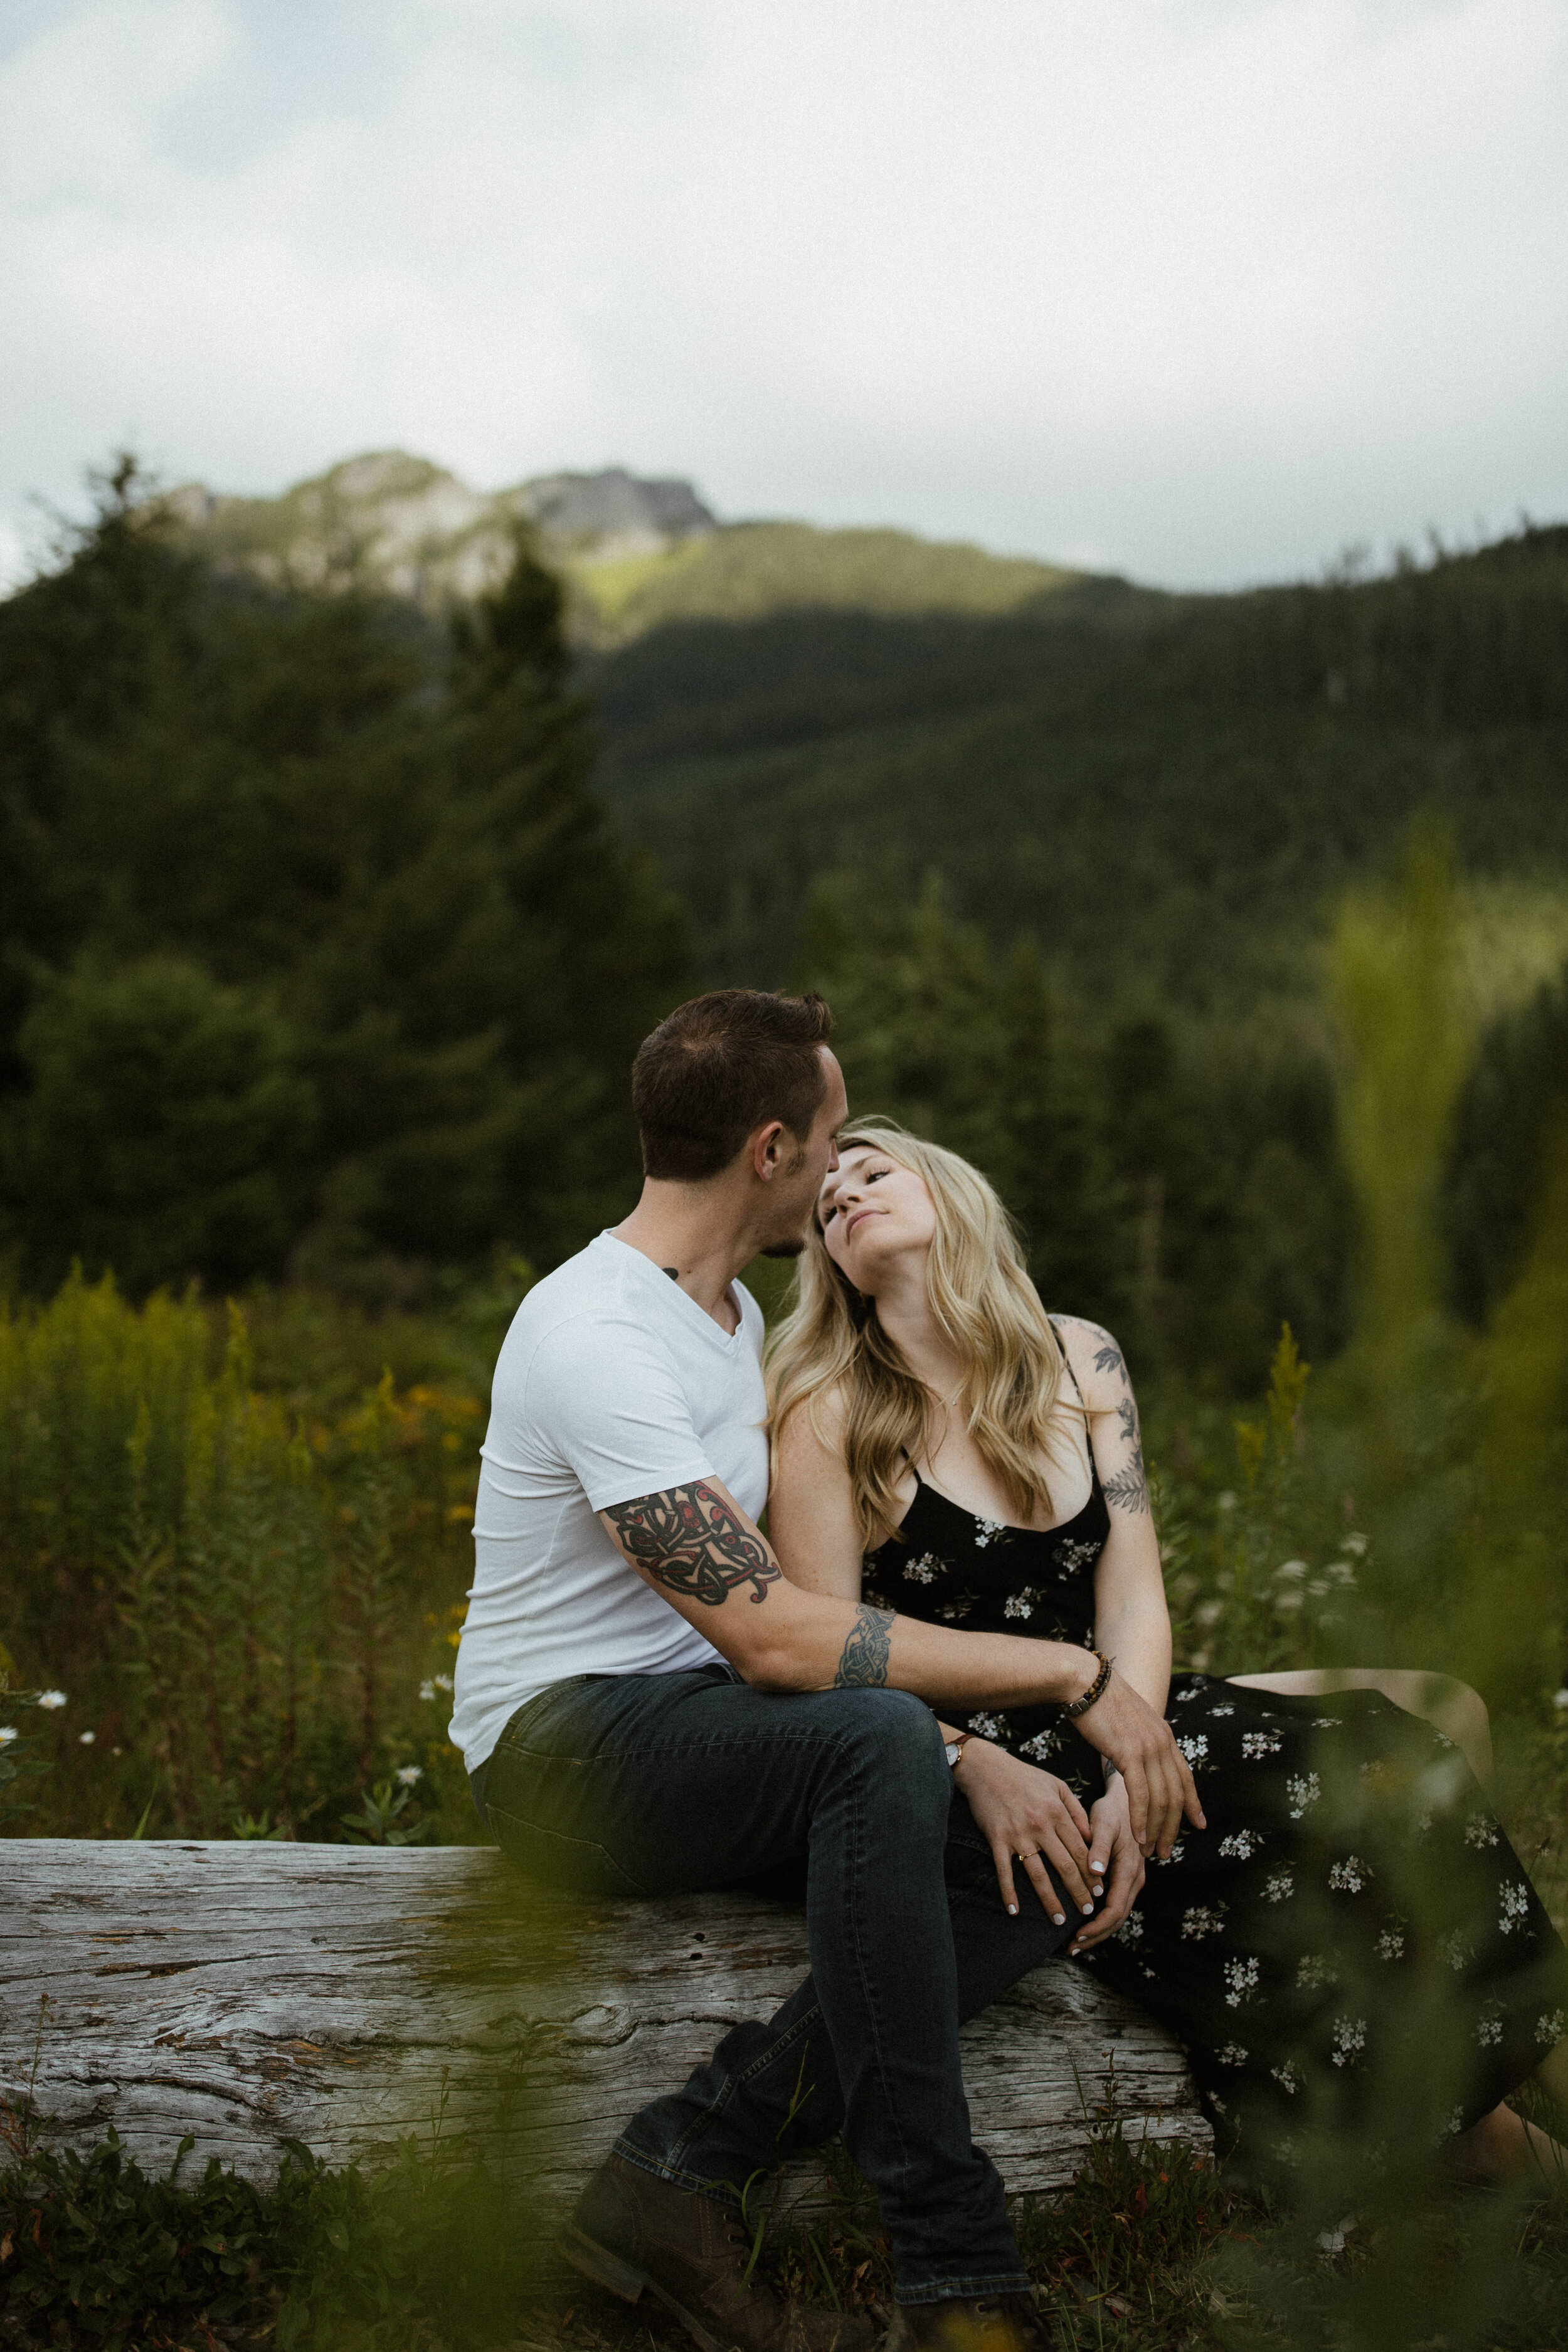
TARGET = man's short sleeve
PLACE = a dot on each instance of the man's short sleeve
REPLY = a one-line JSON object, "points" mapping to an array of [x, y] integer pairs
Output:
{"points": [[605, 1396]]}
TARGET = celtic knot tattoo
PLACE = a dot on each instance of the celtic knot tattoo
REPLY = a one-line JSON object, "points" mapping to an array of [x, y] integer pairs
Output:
{"points": [[863, 1661], [689, 1540]]}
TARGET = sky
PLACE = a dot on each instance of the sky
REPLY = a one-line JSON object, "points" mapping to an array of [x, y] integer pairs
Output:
{"points": [[1205, 291]]}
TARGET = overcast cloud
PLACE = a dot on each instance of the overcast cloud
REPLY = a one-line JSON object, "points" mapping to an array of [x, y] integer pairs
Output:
{"points": [[1197, 289]]}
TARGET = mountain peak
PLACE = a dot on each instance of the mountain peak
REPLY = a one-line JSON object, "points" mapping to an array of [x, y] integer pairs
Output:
{"points": [[404, 524]]}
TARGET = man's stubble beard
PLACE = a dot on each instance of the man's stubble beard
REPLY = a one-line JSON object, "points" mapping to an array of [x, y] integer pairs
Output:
{"points": [[794, 1248]]}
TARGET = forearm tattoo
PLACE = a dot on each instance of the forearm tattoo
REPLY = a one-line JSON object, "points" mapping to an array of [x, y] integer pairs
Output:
{"points": [[863, 1661], [689, 1540], [1128, 1488]]}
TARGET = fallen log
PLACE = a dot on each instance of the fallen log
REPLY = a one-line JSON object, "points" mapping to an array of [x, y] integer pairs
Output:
{"points": [[351, 1997]]}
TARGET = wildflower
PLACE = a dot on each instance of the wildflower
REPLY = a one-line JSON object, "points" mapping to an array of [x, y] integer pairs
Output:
{"points": [[1348, 1877], [1303, 1790], [1355, 1545], [989, 1726], [1241, 1846], [1452, 2122], [922, 1571], [409, 1774], [1550, 2029], [988, 1531], [1292, 1570], [1132, 1927], [51, 1699], [1233, 2054], [1287, 2077], [1222, 1710], [427, 1690], [1488, 2032], [7, 1732], [1255, 1744], [1390, 1945], [1225, 1502], [1195, 1747], [1040, 1747], [1287, 1600], [87, 1738], [1455, 1949], [1207, 1612], [1350, 2040], [1020, 1604], [1278, 1886], [1314, 1973], [1327, 1722], [1480, 1831], [1560, 1698], [1198, 1920], [1340, 1572]]}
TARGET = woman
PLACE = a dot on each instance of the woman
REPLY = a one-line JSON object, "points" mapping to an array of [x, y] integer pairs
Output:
{"points": [[945, 1448]]}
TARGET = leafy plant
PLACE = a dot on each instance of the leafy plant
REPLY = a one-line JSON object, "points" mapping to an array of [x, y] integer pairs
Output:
{"points": [[380, 1822]]}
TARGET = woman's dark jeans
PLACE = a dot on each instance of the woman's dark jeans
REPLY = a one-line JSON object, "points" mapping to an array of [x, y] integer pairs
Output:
{"points": [[661, 1784]]}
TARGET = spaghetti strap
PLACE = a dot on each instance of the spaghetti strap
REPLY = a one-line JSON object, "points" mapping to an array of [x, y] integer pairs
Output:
{"points": [[1072, 1376]]}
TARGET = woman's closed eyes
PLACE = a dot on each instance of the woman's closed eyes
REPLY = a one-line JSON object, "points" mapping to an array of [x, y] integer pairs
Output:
{"points": [[868, 1176]]}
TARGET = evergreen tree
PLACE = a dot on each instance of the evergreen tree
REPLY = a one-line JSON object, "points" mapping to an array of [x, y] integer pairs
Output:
{"points": [[363, 841]]}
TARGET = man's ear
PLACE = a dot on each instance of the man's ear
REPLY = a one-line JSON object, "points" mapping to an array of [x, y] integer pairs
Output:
{"points": [[768, 1149]]}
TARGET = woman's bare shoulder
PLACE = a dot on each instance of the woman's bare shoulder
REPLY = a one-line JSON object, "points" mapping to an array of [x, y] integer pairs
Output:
{"points": [[1095, 1357]]}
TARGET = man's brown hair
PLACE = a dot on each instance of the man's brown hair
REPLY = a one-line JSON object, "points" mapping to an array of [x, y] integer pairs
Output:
{"points": [[719, 1068]]}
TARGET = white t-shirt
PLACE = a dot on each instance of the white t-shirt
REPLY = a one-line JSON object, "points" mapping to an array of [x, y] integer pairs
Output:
{"points": [[611, 1383]]}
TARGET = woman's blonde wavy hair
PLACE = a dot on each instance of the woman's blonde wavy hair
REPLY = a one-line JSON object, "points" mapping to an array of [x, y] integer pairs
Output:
{"points": [[981, 1295]]}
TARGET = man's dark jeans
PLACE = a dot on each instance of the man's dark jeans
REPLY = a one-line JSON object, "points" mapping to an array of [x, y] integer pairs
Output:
{"points": [[661, 1784]]}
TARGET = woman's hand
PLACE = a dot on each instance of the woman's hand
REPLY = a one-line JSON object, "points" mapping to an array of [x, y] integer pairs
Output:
{"points": [[1160, 1785], [1114, 1855], [1028, 1816]]}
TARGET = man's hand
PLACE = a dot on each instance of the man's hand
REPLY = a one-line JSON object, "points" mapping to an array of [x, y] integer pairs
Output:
{"points": [[1160, 1786], [1114, 1858], [1028, 1816]]}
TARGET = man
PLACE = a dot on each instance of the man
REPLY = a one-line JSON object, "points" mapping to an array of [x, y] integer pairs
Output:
{"points": [[647, 1706]]}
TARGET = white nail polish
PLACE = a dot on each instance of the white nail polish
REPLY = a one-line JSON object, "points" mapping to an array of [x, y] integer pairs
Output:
{"points": [[1012, 1910], [1088, 1908], [1059, 1918]]}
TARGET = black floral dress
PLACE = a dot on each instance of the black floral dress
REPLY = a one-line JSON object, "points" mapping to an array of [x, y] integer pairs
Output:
{"points": [[1352, 1927]]}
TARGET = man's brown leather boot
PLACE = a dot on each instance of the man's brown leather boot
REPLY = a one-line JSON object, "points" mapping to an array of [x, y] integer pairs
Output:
{"points": [[635, 2234], [989, 2323]]}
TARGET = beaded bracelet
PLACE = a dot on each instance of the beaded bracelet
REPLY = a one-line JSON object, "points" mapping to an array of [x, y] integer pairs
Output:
{"points": [[1096, 1689]]}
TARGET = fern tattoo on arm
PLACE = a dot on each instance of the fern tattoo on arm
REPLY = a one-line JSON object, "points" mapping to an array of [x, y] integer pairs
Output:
{"points": [[1129, 1489], [689, 1540], [863, 1661]]}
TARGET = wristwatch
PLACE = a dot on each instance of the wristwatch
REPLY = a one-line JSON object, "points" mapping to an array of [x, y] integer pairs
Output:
{"points": [[955, 1748]]}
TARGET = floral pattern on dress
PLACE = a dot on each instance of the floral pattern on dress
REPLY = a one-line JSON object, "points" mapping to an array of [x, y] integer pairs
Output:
{"points": [[1274, 1943]]}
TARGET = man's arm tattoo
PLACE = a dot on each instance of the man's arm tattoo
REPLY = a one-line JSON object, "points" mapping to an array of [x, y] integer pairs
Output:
{"points": [[863, 1661], [689, 1540], [1129, 1489]]}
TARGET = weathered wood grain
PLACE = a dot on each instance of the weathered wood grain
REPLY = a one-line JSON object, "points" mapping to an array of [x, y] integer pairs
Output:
{"points": [[247, 1994]]}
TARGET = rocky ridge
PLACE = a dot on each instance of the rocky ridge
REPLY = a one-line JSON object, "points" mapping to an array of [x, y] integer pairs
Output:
{"points": [[405, 525]]}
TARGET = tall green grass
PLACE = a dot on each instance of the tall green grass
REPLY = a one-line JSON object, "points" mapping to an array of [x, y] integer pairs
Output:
{"points": [[241, 1598]]}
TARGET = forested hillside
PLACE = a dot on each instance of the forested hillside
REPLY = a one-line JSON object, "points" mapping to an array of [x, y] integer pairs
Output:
{"points": [[333, 916], [1166, 792]]}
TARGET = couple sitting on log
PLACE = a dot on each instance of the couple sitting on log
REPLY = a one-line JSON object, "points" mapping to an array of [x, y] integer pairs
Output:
{"points": [[938, 1690]]}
